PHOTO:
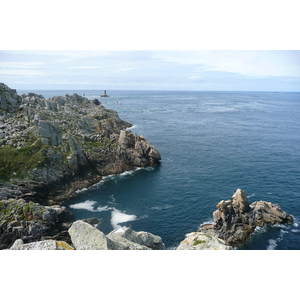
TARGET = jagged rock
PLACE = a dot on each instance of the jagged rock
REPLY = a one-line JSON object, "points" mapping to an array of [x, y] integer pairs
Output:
{"points": [[50, 133], [151, 241], [240, 201], [202, 241], [9, 100], [30, 221], [127, 139], [41, 245], [235, 221], [50, 148]]}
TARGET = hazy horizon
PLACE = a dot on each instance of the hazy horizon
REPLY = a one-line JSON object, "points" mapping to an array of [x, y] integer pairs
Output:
{"points": [[178, 70]]}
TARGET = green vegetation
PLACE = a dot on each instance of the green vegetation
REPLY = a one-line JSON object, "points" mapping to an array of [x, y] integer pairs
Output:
{"points": [[19, 210], [105, 143], [16, 163], [198, 242]]}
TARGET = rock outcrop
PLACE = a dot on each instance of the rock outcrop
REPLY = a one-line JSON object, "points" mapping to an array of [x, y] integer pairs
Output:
{"points": [[41, 245], [86, 237], [235, 220], [125, 235], [202, 241], [50, 148], [32, 222]]}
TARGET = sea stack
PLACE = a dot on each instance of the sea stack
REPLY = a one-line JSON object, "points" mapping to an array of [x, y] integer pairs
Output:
{"points": [[235, 220]]}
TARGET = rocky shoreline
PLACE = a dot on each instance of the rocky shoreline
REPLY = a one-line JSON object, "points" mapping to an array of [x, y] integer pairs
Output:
{"points": [[50, 148], [234, 222]]}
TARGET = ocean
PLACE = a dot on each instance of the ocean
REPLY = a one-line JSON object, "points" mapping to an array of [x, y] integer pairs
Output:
{"points": [[211, 143]]}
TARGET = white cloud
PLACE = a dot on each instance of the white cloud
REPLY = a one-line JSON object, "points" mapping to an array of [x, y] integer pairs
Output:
{"points": [[83, 67], [249, 63], [22, 64], [67, 53], [22, 72]]}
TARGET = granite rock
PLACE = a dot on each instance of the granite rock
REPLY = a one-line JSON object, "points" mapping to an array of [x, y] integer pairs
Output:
{"points": [[202, 241], [235, 220], [50, 148]]}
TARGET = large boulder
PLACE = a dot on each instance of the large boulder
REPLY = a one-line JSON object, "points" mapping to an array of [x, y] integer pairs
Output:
{"points": [[145, 239], [86, 237]]}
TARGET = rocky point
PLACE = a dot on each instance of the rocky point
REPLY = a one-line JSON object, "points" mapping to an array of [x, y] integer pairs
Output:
{"points": [[49, 149]]}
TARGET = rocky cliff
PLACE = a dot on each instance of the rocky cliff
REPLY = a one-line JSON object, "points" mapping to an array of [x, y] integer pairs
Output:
{"points": [[49, 148]]}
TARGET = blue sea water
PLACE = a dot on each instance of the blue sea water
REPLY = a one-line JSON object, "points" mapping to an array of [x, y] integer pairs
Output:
{"points": [[211, 143]]}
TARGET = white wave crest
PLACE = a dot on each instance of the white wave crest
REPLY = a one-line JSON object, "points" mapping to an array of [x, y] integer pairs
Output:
{"points": [[89, 205], [250, 196], [296, 222], [118, 217], [259, 229], [132, 127], [209, 222], [272, 244], [283, 226], [103, 208], [80, 191]]}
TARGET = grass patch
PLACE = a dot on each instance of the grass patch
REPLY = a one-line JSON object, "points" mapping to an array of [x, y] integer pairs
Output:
{"points": [[198, 242], [16, 163]]}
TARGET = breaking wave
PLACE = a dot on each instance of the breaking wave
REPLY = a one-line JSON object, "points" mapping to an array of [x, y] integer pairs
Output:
{"points": [[118, 217], [89, 205]]}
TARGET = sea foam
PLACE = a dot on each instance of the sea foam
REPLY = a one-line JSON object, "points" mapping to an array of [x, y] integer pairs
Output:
{"points": [[118, 217], [89, 205]]}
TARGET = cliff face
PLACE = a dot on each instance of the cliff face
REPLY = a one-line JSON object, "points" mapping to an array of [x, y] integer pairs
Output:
{"points": [[49, 148]]}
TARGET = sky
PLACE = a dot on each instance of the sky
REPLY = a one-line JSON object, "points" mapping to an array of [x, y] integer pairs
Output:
{"points": [[215, 70]]}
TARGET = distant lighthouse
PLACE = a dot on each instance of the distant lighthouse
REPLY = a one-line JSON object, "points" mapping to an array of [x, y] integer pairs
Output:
{"points": [[104, 95]]}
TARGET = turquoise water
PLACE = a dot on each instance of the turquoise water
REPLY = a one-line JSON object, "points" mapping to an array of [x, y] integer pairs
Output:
{"points": [[211, 143]]}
